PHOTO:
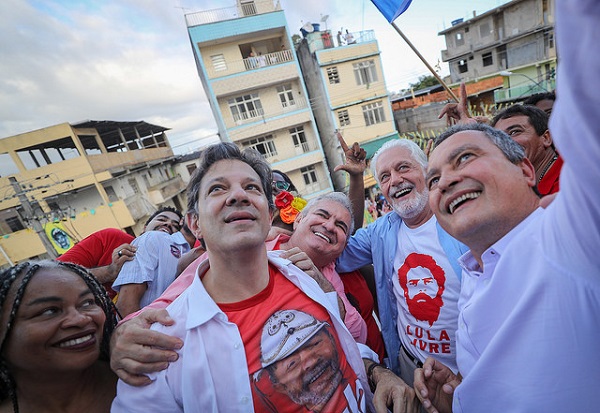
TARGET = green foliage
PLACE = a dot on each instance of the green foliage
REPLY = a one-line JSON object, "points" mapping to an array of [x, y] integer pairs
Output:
{"points": [[423, 82]]}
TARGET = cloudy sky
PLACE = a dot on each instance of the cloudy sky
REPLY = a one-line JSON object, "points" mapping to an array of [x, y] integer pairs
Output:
{"points": [[69, 61]]}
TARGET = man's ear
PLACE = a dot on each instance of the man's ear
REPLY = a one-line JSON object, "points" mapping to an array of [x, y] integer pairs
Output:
{"points": [[191, 219], [299, 218], [528, 171], [546, 138]]}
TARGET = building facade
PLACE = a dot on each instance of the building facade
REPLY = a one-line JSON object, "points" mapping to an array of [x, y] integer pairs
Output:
{"points": [[347, 91], [81, 178], [252, 79], [515, 40]]}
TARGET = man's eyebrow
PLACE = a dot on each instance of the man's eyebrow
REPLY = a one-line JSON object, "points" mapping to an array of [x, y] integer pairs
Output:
{"points": [[451, 156]]}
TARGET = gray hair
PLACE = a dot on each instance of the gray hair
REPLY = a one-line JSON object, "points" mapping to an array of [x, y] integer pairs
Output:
{"points": [[511, 149], [339, 197], [417, 153]]}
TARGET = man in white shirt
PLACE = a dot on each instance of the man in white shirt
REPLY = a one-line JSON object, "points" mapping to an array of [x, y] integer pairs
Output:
{"points": [[529, 322]]}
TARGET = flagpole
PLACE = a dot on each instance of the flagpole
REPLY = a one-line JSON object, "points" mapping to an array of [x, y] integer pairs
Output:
{"points": [[433, 72]]}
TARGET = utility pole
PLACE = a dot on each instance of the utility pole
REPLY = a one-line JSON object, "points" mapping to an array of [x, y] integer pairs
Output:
{"points": [[29, 214]]}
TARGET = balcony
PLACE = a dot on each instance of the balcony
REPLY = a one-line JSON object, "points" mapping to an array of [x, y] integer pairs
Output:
{"points": [[245, 9], [250, 63], [522, 91]]}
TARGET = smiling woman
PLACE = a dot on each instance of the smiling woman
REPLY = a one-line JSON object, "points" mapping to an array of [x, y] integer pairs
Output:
{"points": [[55, 325]]}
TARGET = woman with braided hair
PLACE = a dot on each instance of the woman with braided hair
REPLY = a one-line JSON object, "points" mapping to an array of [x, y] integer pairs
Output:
{"points": [[55, 325]]}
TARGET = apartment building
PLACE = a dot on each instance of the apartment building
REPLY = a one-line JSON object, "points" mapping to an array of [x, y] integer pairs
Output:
{"points": [[347, 92], [515, 40], [77, 179], [252, 79]]}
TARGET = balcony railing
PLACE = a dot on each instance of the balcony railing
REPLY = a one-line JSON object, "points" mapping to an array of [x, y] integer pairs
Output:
{"points": [[245, 9], [522, 91], [250, 63], [298, 103]]}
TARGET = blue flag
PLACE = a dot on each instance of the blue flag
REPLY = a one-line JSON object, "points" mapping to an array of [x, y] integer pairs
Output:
{"points": [[391, 8]]}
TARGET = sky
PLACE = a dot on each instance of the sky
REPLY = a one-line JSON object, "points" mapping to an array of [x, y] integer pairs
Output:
{"points": [[131, 60]]}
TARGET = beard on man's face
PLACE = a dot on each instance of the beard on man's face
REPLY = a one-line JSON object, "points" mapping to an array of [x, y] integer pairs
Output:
{"points": [[425, 308]]}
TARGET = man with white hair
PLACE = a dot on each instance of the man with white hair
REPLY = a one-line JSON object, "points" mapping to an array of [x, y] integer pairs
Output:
{"points": [[416, 271]]}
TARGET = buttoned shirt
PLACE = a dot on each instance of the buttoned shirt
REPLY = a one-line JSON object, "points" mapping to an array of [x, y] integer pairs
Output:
{"points": [[155, 263], [529, 324], [211, 374]]}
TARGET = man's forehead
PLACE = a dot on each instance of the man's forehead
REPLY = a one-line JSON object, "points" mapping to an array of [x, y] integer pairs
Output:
{"points": [[332, 208], [396, 154], [521, 120]]}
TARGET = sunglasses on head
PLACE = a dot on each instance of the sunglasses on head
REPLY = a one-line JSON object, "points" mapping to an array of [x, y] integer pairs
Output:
{"points": [[281, 185]]}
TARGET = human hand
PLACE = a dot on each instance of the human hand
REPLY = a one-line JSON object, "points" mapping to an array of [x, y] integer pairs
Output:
{"points": [[434, 385], [457, 112], [136, 350], [120, 255], [274, 231], [356, 156], [393, 393], [301, 260]]}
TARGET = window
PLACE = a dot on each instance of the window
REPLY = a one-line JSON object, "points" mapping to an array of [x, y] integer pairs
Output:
{"points": [[365, 72], [332, 75], [263, 144], [218, 62], [309, 174], [487, 58], [48, 153], [463, 67], [343, 117], [7, 165], [191, 167], [245, 107], [373, 113], [112, 196], [459, 38], [299, 138], [286, 96], [15, 224]]}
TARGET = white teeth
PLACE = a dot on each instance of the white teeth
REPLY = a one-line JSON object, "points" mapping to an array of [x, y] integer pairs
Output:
{"points": [[470, 195], [402, 192], [76, 341], [319, 234]]}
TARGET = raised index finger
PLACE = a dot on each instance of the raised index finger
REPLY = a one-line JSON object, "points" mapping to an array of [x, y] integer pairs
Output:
{"points": [[342, 141]]}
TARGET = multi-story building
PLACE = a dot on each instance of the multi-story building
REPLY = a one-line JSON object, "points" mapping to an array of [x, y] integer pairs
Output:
{"points": [[81, 178], [515, 40], [253, 83], [347, 91]]}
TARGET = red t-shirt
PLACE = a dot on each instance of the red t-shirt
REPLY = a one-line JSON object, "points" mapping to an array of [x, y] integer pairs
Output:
{"points": [[295, 361], [549, 182], [96, 250]]}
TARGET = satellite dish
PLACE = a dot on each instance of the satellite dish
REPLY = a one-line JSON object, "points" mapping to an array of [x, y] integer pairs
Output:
{"points": [[308, 27]]}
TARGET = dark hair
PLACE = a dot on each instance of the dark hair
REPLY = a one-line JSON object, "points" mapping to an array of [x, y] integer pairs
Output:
{"points": [[228, 151], [535, 98], [511, 149], [28, 269], [537, 117], [163, 209], [286, 179]]}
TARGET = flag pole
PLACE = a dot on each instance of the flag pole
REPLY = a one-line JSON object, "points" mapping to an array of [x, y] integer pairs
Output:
{"points": [[433, 72]]}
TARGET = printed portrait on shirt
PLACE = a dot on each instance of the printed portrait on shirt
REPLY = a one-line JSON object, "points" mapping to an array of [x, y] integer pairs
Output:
{"points": [[303, 368], [422, 281]]}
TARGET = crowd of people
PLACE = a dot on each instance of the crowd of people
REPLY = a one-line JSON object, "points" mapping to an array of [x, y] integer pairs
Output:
{"points": [[478, 291]]}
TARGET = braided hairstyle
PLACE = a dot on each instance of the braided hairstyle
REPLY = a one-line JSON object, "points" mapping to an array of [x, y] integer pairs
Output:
{"points": [[19, 276]]}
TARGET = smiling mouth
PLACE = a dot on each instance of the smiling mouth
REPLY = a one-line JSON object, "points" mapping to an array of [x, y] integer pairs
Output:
{"points": [[76, 341], [402, 192], [323, 236], [461, 199]]}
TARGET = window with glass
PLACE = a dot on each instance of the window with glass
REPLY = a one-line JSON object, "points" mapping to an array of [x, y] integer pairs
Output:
{"points": [[373, 113], [343, 117], [263, 144], [487, 59], [286, 95], [463, 67], [332, 75], [309, 173], [365, 72], [245, 107], [299, 138]]}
